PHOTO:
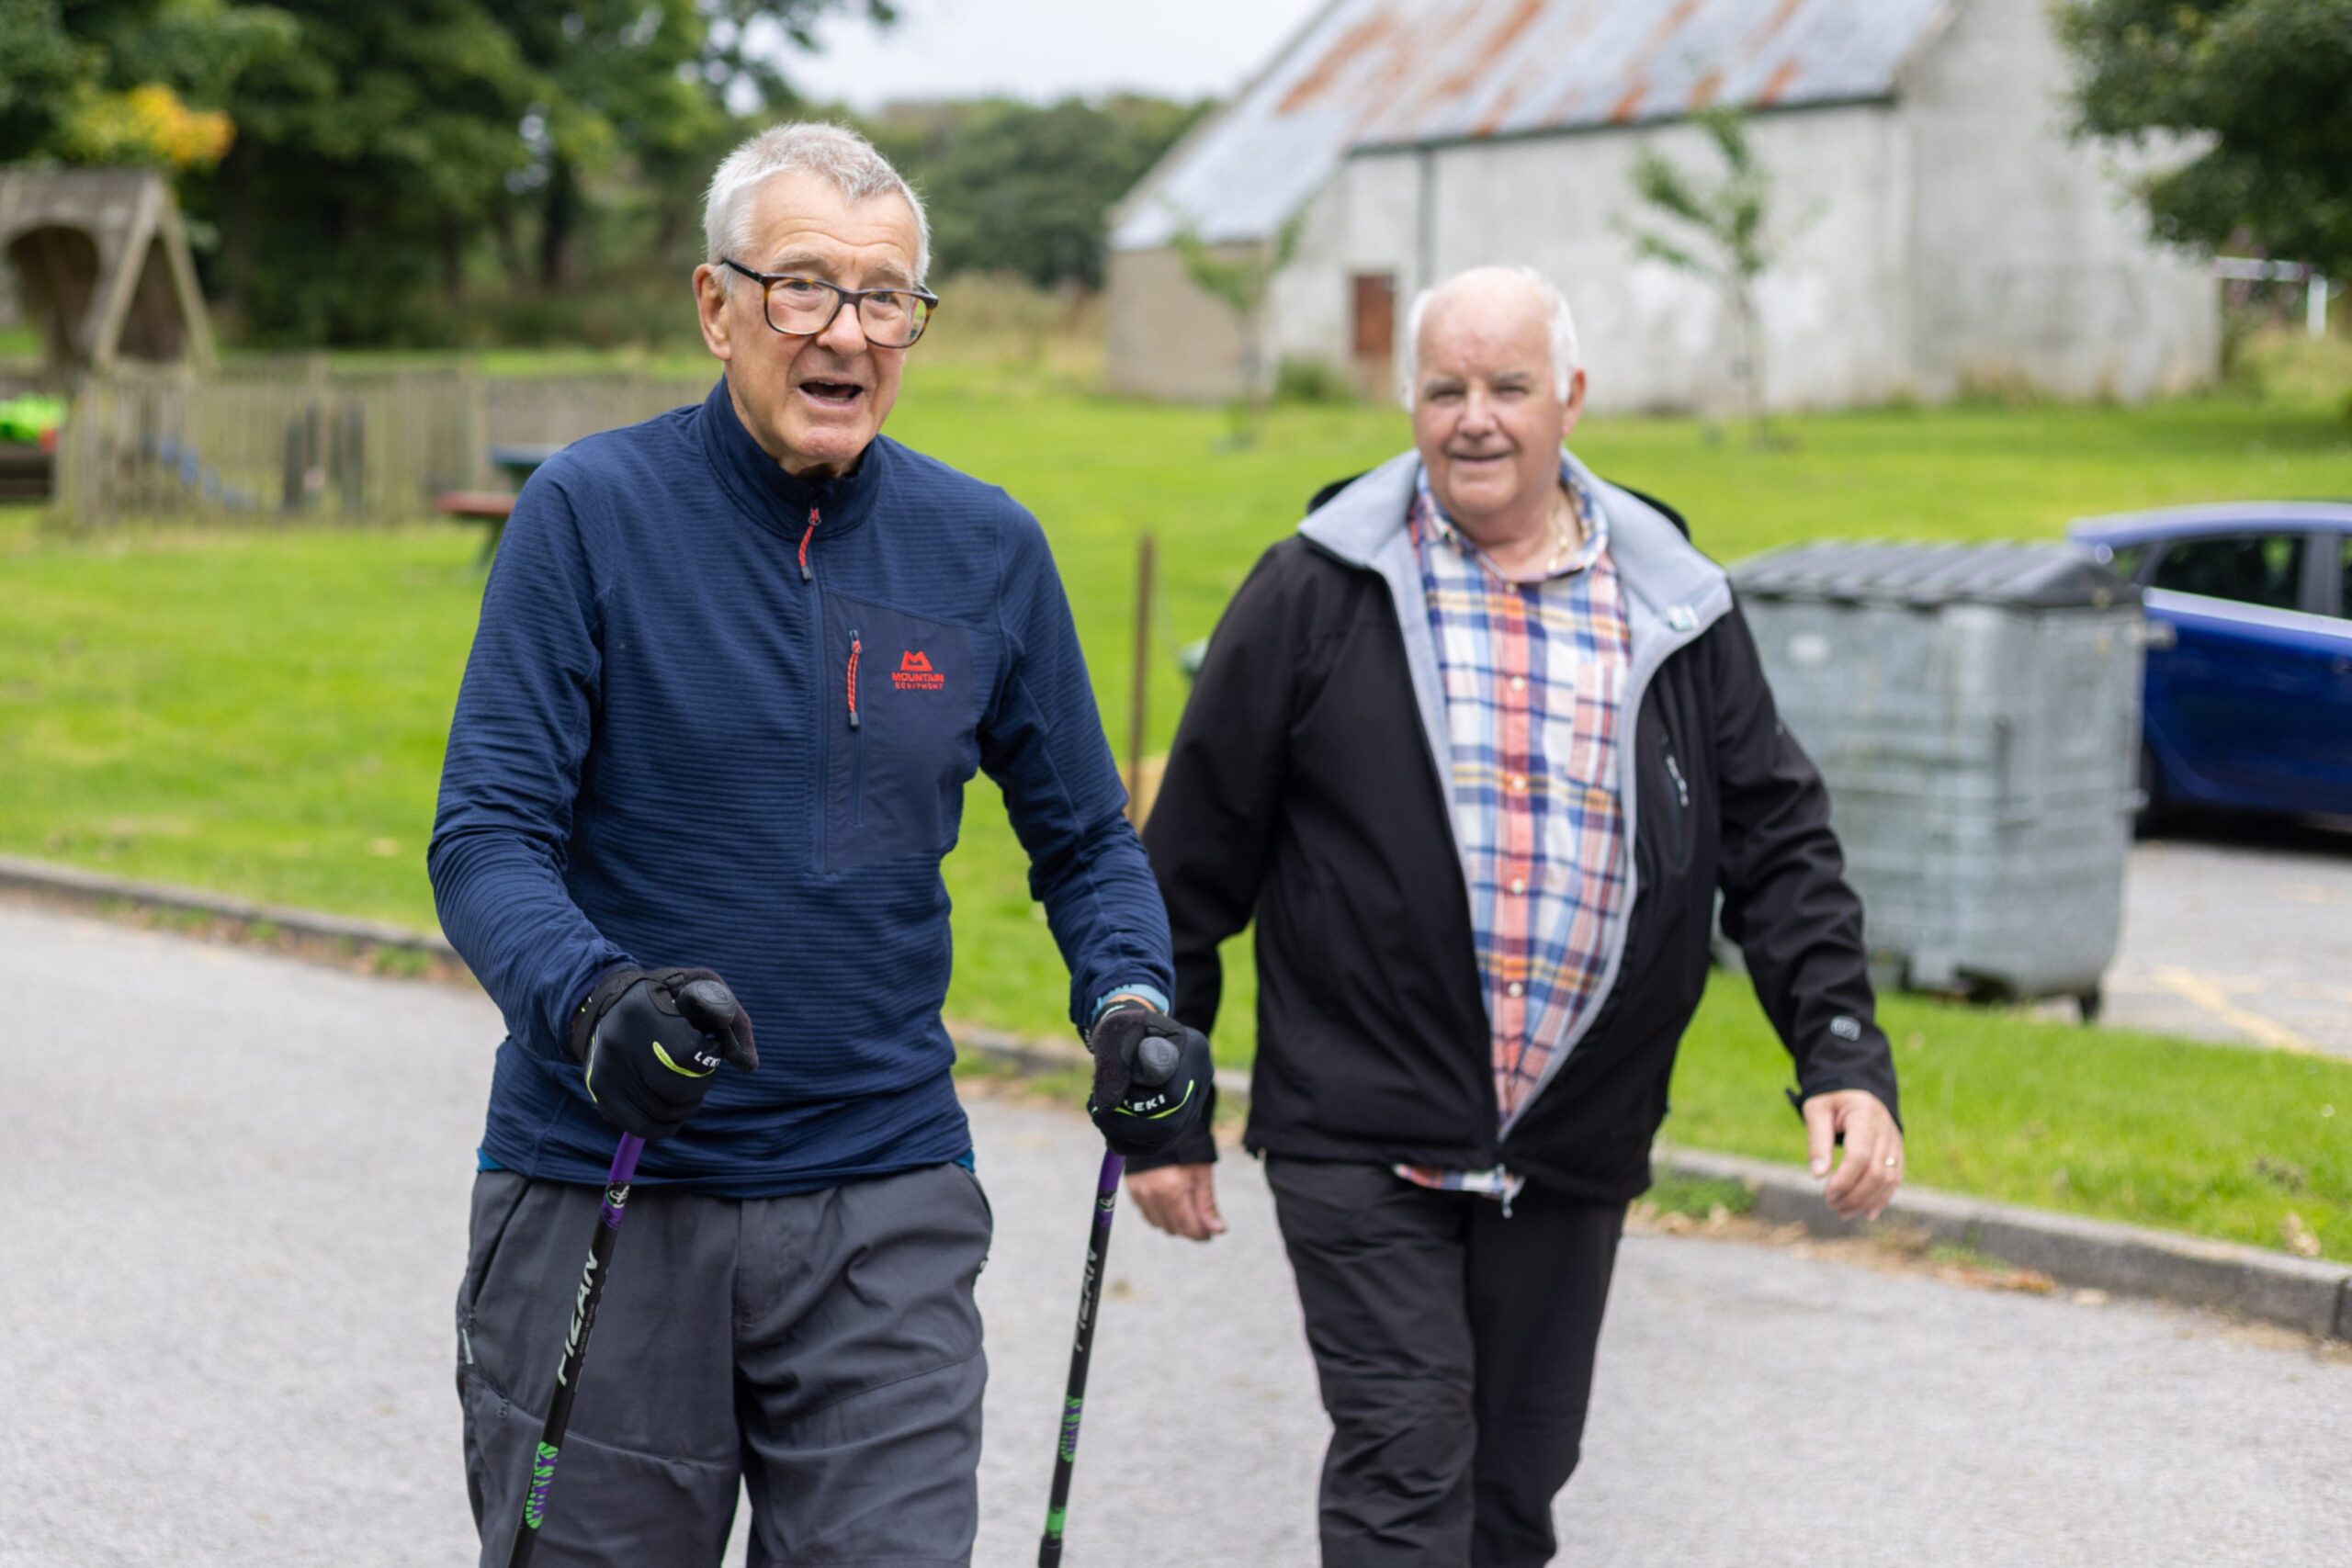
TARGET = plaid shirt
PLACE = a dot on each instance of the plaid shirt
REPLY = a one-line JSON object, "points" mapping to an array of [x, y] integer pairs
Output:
{"points": [[1534, 684]]}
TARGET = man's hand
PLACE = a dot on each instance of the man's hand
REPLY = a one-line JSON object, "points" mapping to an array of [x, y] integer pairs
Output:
{"points": [[1179, 1199], [650, 1042], [1865, 1183], [1152, 1079]]}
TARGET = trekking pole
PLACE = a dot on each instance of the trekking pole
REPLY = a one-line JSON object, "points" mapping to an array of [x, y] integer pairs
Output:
{"points": [[1155, 1065], [575, 1349]]}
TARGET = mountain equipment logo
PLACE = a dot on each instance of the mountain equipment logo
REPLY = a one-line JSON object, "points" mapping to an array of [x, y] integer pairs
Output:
{"points": [[914, 673]]}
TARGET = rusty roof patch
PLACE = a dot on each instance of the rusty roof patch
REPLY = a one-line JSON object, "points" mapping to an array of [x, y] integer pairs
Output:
{"points": [[1776, 87], [1364, 35], [1367, 74]]}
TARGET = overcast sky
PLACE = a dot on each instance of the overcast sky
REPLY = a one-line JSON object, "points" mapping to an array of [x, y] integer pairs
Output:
{"points": [[1048, 49]]}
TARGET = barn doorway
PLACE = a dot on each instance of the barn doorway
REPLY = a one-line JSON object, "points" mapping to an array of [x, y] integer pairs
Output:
{"points": [[1372, 335]]}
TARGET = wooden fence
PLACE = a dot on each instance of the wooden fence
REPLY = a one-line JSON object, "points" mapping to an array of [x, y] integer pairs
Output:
{"points": [[297, 440]]}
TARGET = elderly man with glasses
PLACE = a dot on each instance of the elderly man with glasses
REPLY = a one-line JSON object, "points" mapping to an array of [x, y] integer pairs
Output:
{"points": [[734, 668]]}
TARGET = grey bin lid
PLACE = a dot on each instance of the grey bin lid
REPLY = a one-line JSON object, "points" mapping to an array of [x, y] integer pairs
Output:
{"points": [[2032, 577]]}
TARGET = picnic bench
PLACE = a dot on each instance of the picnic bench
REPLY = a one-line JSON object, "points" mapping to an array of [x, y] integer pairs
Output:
{"points": [[493, 507]]}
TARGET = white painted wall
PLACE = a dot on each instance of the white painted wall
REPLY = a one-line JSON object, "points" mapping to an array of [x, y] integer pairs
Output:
{"points": [[1833, 311], [1658, 338], [1954, 239], [1364, 221], [2033, 268]]}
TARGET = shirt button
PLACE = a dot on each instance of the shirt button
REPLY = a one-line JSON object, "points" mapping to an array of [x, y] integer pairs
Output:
{"points": [[1519, 784], [1518, 885], [1515, 990], [1519, 683]]}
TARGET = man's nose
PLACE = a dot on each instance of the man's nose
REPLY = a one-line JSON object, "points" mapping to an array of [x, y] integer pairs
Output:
{"points": [[1478, 412], [844, 334]]}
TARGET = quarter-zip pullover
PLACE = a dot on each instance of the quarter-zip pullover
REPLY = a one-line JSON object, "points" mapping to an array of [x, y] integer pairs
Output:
{"points": [[717, 716]]}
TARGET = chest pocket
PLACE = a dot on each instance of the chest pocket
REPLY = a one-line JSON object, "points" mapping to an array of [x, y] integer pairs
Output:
{"points": [[901, 703]]}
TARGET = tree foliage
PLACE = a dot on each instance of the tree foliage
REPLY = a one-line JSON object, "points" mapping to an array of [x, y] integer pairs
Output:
{"points": [[1025, 189], [1722, 231], [375, 153], [2259, 93], [425, 170], [1240, 278]]}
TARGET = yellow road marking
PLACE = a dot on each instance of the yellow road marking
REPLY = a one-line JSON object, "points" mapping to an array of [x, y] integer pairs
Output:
{"points": [[2203, 992]]}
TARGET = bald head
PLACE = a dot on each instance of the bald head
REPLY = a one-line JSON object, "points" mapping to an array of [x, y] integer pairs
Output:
{"points": [[1489, 297], [1494, 388]]}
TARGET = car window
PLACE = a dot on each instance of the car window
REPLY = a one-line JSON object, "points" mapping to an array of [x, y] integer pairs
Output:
{"points": [[2344, 595], [2246, 568]]}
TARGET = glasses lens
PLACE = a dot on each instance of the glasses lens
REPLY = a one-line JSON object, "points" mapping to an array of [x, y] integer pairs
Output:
{"points": [[800, 305], [892, 319], [885, 318]]}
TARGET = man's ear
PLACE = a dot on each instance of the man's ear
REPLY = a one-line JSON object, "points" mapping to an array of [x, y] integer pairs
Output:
{"points": [[710, 308], [1575, 410]]}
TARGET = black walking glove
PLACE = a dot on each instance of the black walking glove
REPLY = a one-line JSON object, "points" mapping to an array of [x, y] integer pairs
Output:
{"points": [[1152, 1079], [650, 1041]]}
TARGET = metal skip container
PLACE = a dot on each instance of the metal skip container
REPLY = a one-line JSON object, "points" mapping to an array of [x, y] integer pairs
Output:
{"points": [[1975, 711]]}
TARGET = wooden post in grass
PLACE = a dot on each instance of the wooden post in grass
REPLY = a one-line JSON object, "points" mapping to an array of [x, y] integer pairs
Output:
{"points": [[1142, 679]]}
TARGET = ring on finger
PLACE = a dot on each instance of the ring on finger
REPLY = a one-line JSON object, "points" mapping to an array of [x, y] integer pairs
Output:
{"points": [[1893, 1160]]}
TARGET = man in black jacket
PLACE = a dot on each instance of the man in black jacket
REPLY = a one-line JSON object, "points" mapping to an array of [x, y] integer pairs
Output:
{"points": [[1477, 747]]}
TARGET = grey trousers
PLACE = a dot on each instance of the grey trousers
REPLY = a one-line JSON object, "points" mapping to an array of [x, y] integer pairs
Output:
{"points": [[1453, 1347], [823, 1350]]}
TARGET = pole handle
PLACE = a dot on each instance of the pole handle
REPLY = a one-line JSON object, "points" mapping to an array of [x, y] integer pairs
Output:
{"points": [[1156, 1060]]}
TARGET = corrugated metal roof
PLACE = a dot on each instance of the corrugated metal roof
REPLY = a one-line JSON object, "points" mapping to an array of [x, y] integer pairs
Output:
{"points": [[1401, 73]]}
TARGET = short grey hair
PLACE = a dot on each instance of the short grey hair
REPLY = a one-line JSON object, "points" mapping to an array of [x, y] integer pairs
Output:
{"points": [[812, 147], [1568, 356]]}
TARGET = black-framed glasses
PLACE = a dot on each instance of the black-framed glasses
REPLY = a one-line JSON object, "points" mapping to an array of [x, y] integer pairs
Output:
{"points": [[803, 306]]}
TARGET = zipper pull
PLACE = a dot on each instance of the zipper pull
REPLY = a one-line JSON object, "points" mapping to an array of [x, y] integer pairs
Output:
{"points": [[805, 575], [856, 649], [1674, 771]]}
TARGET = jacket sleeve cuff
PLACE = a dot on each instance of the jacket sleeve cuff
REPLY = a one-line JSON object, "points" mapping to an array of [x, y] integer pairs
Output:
{"points": [[1150, 992], [581, 1022], [1831, 1083]]}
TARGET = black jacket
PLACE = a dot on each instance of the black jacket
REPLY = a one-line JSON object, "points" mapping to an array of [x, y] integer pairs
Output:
{"points": [[1305, 790]]}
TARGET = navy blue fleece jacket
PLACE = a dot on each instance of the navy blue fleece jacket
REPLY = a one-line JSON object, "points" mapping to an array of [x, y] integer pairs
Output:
{"points": [[654, 759]]}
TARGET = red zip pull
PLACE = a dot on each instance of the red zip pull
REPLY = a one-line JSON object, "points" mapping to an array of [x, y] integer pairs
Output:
{"points": [[855, 648], [805, 575]]}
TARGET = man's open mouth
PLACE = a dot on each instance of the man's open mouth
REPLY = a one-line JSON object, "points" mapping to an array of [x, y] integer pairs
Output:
{"points": [[833, 394]]}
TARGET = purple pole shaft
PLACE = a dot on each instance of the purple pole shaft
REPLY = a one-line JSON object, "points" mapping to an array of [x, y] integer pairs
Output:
{"points": [[623, 1171], [575, 1349]]}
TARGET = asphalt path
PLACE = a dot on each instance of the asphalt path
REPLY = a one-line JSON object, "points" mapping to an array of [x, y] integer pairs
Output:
{"points": [[2240, 932], [235, 1220]]}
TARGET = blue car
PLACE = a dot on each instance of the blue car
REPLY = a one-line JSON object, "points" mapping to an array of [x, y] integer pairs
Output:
{"points": [[2249, 704]]}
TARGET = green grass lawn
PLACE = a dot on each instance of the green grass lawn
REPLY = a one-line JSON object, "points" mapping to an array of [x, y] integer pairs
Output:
{"points": [[2217, 1140], [263, 713]]}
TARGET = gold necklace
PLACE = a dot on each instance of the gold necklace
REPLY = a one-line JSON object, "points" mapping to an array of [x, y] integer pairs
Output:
{"points": [[1563, 507]]}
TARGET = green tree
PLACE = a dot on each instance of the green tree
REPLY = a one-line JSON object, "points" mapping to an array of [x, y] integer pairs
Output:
{"points": [[377, 147], [110, 81], [371, 142], [643, 96], [39, 64], [1726, 222], [2261, 91], [1239, 279], [1027, 188]]}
